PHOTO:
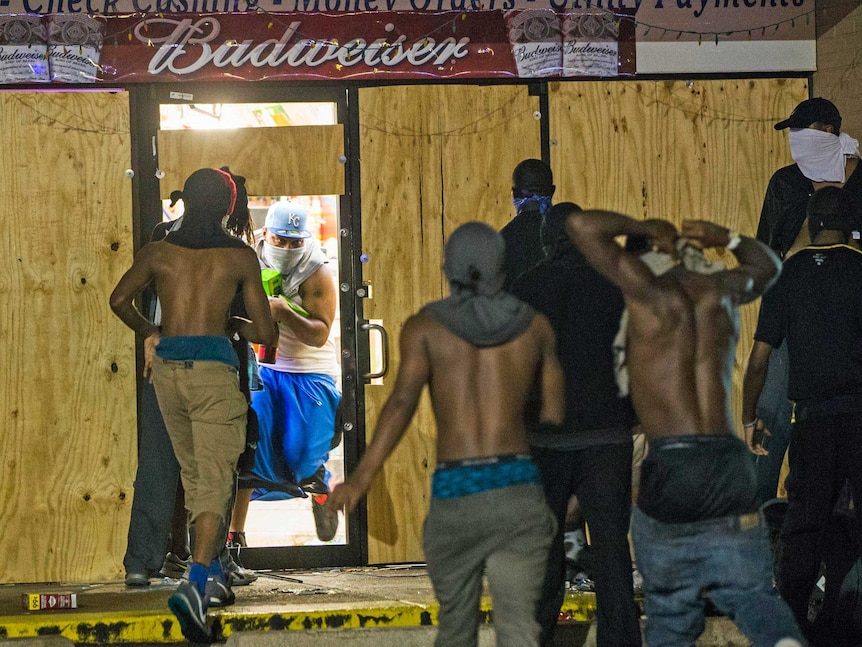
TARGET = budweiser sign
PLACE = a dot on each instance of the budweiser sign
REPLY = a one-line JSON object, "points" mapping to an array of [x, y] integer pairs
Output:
{"points": [[192, 44], [313, 46]]}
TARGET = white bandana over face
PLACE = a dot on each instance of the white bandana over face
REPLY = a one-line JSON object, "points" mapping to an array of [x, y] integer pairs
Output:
{"points": [[821, 155]]}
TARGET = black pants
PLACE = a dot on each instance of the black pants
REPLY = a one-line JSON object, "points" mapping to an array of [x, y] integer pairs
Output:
{"points": [[601, 478], [825, 452]]}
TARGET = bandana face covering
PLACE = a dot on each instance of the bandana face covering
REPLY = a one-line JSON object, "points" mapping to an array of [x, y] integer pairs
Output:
{"points": [[820, 155], [544, 202], [281, 258]]}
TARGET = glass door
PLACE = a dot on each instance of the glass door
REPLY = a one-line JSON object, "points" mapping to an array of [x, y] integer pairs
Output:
{"points": [[291, 147]]}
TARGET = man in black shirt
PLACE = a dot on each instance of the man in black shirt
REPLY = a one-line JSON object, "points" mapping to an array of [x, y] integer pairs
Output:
{"points": [[592, 455], [824, 156], [816, 308], [532, 190]]}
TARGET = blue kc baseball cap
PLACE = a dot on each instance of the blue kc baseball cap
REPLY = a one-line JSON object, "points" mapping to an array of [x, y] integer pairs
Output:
{"points": [[287, 220]]}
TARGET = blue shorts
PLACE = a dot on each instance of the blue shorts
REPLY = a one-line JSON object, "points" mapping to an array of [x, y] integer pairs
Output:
{"points": [[296, 414]]}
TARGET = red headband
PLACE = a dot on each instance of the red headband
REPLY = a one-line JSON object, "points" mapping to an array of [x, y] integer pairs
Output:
{"points": [[231, 185]]}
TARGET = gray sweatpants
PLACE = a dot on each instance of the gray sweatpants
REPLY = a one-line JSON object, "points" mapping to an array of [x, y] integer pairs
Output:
{"points": [[503, 533]]}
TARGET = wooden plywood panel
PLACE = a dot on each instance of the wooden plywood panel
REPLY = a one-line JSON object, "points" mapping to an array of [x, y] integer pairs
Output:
{"points": [[182, 152], [67, 372], [432, 158], [674, 150]]}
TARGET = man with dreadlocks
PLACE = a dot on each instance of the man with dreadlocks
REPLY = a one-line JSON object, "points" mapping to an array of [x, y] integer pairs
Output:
{"points": [[193, 365], [480, 352]]}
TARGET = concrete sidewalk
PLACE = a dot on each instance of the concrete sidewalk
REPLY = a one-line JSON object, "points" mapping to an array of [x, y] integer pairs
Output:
{"points": [[364, 606]]}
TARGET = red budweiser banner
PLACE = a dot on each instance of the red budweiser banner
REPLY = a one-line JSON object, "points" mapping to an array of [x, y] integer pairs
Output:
{"points": [[526, 43]]}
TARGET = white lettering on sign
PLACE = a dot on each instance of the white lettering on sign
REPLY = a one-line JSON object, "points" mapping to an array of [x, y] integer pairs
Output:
{"points": [[174, 54]]}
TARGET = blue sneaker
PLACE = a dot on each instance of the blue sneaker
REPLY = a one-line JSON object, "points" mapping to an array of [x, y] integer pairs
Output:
{"points": [[189, 608]]}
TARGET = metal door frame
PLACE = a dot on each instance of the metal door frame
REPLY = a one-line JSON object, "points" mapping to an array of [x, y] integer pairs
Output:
{"points": [[144, 103]]}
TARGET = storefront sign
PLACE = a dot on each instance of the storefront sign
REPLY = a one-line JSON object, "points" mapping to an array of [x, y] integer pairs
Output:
{"points": [[579, 39]]}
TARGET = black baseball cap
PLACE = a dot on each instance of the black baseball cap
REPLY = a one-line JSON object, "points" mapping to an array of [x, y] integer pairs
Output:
{"points": [[809, 111]]}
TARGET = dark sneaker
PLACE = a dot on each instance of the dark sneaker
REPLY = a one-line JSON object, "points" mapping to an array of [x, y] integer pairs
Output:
{"points": [[190, 609], [218, 593], [325, 519], [237, 575], [174, 567], [236, 539], [316, 483], [137, 579]]}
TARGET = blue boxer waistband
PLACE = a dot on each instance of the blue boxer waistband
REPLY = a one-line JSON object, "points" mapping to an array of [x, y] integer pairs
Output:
{"points": [[454, 479], [200, 348]]}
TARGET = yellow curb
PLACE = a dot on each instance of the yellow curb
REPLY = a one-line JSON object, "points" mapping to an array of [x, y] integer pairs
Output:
{"points": [[162, 627]]}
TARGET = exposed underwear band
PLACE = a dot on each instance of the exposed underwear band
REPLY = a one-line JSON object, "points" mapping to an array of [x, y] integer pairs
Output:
{"points": [[202, 348], [454, 479]]}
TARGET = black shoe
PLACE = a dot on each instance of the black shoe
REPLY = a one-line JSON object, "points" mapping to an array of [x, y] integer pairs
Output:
{"points": [[316, 483], [325, 519], [137, 579], [218, 593], [175, 567], [236, 575], [190, 609]]}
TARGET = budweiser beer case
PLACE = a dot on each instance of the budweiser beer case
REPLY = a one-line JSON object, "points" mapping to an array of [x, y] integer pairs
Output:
{"points": [[50, 48], [23, 49], [49, 601]]}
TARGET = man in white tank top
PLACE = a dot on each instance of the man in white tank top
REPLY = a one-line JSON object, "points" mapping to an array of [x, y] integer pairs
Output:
{"points": [[296, 408]]}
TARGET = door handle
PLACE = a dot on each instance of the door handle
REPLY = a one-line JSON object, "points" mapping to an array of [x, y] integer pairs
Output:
{"points": [[384, 350]]}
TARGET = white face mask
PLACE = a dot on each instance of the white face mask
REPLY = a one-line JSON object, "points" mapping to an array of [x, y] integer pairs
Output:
{"points": [[281, 258], [820, 155]]}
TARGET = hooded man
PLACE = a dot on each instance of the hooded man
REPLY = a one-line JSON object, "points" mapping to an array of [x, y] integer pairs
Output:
{"points": [[480, 351]]}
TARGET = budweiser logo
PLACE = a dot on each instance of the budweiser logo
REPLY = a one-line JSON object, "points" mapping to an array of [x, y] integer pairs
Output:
{"points": [[190, 44]]}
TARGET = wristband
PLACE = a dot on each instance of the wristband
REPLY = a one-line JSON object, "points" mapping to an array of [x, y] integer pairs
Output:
{"points": [[750, 425], [733, 239]]}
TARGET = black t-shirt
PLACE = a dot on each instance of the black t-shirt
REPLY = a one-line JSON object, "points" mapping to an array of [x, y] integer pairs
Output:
{"points": [[584, 309], [816, 305], [786, 200], [523, 243]]}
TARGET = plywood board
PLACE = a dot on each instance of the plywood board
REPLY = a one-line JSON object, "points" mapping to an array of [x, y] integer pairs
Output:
{"points": [[67, 371], [277, 156], [433, 157]]}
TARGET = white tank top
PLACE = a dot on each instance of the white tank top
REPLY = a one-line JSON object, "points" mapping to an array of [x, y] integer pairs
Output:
{"points": [[297, 357]]}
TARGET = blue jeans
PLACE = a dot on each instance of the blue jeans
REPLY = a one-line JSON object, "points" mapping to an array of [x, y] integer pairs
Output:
{"points": [[718, 557], [775, 410]]}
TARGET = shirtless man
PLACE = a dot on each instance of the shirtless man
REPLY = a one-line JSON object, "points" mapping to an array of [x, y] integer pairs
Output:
{"points": [[695, 528], [479, 351], [198, 269]]}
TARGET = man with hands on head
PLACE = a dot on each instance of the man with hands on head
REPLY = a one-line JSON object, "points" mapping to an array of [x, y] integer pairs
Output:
{"points": [[695, 527]]}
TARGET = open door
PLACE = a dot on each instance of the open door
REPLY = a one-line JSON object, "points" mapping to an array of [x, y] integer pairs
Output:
{"points": [[290, 146]]}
